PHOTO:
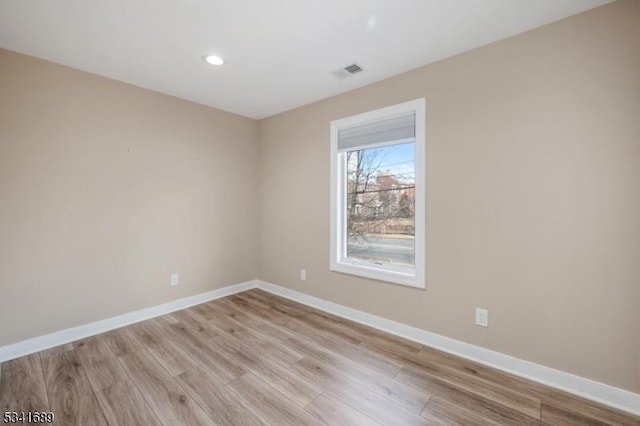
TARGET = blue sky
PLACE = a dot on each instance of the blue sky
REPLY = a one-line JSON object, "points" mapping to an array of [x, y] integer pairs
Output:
{"points": [[398, 159]]}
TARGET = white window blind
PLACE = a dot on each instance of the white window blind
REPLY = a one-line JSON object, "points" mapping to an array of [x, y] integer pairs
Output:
{"points": [[398, 128]]}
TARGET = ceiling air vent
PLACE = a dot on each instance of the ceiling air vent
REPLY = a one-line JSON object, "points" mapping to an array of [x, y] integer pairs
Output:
{"points": [[347, 71], [352, 69]]}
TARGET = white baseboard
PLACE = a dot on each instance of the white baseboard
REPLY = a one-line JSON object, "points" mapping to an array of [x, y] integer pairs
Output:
{"points": [[586, 388], [57, 338]]}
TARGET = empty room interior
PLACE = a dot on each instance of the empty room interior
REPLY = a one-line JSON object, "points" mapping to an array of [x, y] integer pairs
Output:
{"points": [[356, 212]]}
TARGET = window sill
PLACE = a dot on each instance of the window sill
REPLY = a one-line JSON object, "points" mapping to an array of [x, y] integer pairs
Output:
{"points": [[366, 271]]}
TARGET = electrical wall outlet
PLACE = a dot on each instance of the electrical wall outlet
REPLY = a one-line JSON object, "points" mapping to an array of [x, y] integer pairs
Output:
{"points": [[175, 280], [482, 317], [303, 274]]}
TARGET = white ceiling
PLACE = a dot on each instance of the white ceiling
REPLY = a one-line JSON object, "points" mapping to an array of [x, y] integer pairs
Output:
{"points": [[279, 54]]}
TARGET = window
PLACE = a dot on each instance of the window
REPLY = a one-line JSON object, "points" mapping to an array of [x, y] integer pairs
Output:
{"points": [[378, 194]]}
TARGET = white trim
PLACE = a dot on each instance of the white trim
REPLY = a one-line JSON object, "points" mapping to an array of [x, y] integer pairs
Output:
{"points": [[368, 270], [580, 386], [47, 341], [338, 261]]}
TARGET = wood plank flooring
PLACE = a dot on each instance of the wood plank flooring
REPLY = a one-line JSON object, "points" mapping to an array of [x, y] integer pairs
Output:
{"points": [[257, 359]]}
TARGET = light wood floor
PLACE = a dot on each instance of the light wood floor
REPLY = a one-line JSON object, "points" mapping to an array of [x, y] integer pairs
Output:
{"points": [[255, 359]]}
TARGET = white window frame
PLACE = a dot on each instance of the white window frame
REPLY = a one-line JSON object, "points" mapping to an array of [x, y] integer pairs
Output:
{"points": [[339, 262]]}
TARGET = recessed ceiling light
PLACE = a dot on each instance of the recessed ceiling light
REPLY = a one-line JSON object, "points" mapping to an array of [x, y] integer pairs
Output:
{"points": [[214, 59]]}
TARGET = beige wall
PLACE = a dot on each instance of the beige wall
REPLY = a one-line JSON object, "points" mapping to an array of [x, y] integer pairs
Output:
{"points": [[533, 196], [106, 189]]}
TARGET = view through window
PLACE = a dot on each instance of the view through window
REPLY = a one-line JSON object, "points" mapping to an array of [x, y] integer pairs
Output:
{"points": [[381, 204]]}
